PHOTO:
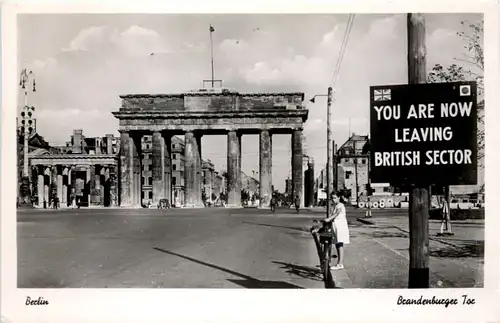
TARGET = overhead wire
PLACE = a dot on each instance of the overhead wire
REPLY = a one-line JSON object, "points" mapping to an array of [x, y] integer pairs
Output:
{"points": [[343, 47]]}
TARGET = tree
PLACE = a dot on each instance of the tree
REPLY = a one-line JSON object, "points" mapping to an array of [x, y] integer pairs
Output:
{"points": [[473, 71]]}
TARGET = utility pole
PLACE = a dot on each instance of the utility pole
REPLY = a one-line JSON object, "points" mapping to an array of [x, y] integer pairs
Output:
{"points": [[369, 192], [356, 175], [329, 166], [419, 195], [334, 167]]}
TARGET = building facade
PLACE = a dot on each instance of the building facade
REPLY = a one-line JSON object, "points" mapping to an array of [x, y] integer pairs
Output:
{"points": [[351, 171], [353, 163], [83, 172]]}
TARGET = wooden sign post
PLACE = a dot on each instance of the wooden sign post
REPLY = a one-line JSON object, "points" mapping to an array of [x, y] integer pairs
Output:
{"points": [[419, 196]]}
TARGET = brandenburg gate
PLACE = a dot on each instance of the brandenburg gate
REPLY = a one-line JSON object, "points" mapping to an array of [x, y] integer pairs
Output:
{"points": [[205, 112]]}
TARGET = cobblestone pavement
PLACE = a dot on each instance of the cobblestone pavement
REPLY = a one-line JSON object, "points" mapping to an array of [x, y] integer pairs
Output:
{"points": [[223, 248]]}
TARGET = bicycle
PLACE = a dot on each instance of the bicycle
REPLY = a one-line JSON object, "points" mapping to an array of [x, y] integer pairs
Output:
{"points": [[323, 238]]}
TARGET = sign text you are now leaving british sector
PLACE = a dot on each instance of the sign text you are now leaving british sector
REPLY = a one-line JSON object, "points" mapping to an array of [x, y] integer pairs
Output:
{"points": [[424, 133]]}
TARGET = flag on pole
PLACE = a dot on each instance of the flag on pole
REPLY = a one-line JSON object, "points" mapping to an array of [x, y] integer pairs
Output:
{"points": [[212, 29]]}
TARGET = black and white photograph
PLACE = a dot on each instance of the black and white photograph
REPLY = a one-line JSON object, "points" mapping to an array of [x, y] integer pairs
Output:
{"points": [[237, 151]]}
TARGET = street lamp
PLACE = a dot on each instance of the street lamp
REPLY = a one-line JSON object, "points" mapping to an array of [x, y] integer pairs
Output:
{"points": [[329, 169], [27, 128]]}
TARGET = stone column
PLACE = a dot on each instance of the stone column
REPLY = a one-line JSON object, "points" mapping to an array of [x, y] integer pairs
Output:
{"points": [[127, 147], [137, 170], [192, 171], [41, 185], [64, 197], [87, 182], [167, 167], [53, 181], [46, 184], [297, 172], [98, 186], [113, 192], [265, 168], [160, 167], [234, 169], [73, 185], [59, 184], [103, 181], [92, 185]]}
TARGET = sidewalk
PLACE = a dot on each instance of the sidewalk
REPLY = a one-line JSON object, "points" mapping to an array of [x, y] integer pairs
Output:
{"points": [[455, 261], [465, 231]]}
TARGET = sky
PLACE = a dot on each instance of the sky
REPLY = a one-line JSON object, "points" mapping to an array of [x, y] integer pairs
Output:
{"points": [[82, 64]]}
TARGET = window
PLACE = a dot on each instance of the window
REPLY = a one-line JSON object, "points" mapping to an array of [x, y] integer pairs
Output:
{"points": [[150, 181], [142, 180], [150, 194], [363, 160], [174, 167], [348, 174], [174, 156], [174, 181], [346, 160], [147, 146]]}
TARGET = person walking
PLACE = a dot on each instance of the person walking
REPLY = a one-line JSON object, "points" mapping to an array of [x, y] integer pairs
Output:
{"points": [[368, 209], [446, 221], [297, 203], [273, 203], [340, 229]]}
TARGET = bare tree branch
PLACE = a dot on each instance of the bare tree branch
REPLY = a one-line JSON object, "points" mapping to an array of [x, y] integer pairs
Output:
{"points": [[473, 43]]}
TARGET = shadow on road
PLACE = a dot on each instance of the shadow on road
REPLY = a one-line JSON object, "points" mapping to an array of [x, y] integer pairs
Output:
{"points": [[278, 226], [246, 282], [471, 249], [301, 271]]}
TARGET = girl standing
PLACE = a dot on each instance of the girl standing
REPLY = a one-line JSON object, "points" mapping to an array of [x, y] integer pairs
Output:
{"points": [[340, 229]]}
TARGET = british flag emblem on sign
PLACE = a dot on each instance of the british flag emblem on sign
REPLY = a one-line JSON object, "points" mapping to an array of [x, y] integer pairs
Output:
{"points": [[382, 95]]}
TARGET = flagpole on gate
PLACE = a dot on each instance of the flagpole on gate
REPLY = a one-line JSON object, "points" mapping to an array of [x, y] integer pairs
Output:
{"points": [[212, 53]]}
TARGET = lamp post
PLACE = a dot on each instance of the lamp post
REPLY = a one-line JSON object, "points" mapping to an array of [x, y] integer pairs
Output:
{"points": [[26, 129], [329, 175]]}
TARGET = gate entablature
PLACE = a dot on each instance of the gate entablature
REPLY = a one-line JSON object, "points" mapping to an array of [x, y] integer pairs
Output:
{"points": [[211, 111]]}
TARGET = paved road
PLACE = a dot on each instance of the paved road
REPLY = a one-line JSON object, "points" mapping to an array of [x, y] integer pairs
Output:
{"points": [[215, 248]]}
